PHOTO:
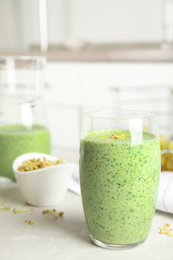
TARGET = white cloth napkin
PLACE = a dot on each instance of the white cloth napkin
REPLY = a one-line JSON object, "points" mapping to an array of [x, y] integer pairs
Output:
{"points": [[165, 194], [74, 184]]}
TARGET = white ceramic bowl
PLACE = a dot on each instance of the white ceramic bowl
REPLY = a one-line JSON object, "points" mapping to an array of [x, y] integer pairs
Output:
{"points": [[46, 186]]}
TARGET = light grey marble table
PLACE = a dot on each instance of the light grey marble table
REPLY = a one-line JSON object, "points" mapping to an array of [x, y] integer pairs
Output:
{"points": [[66, 238]]}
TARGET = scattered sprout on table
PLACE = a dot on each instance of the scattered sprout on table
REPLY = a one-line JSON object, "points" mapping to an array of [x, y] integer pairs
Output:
{"points": [[166, 230], [30, 222], [53, 212], [4, 207], [21, 210]]}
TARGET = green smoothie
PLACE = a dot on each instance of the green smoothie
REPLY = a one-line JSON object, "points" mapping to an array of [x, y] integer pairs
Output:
{"points": [[18, 139], [119, 183]]}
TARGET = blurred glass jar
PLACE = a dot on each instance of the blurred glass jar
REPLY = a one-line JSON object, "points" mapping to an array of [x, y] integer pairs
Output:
{"points": [[23, 123]]}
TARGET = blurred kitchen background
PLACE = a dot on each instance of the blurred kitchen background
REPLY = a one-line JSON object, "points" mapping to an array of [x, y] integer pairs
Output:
{"points": [[100, 54]]}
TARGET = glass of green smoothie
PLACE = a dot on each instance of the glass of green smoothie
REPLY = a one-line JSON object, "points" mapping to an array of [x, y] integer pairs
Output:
{"points": [[119, 176], [23, 121]]}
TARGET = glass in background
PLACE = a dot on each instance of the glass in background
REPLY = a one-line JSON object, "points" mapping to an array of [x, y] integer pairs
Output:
{"points": [[23, 122]]}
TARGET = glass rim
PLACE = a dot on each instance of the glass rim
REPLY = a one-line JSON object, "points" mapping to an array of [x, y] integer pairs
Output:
{"points": [[123, 114]]}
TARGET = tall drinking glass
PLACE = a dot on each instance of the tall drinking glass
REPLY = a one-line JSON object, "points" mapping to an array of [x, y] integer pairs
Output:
{"points": [[119, 176], [23, 121]]}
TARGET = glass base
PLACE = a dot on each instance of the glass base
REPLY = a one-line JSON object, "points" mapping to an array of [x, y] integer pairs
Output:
{"points": [[114, 246]]}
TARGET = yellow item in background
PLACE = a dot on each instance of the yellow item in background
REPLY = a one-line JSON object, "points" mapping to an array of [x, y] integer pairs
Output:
{"points": [[166, 154], [163, 142]]}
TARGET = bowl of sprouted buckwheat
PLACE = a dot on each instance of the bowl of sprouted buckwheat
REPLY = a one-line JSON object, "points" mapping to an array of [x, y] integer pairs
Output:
{"points": [[43, 179]]}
